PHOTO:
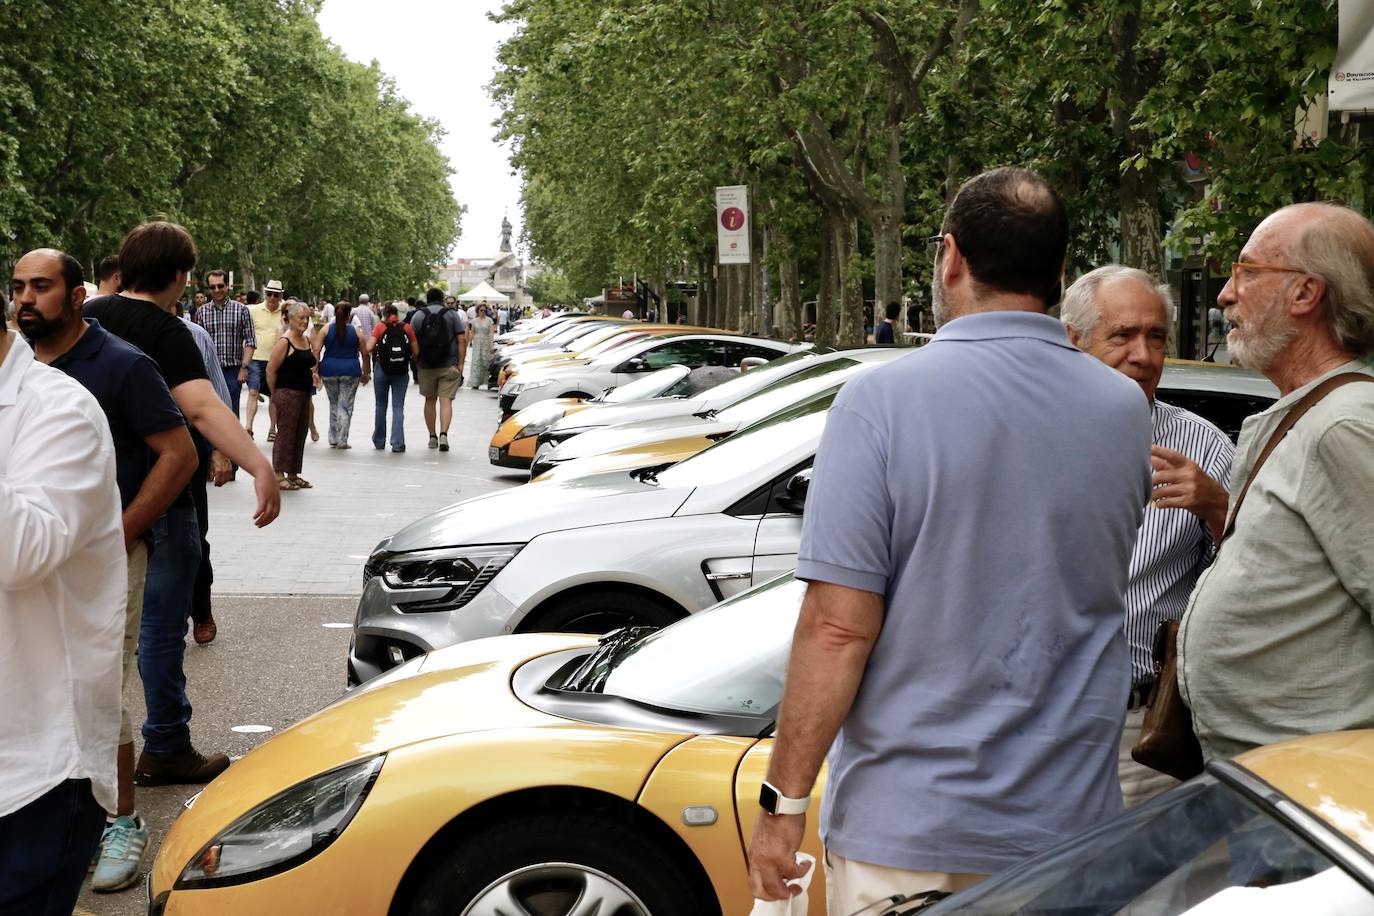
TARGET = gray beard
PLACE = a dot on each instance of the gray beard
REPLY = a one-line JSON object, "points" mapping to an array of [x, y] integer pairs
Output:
{"points": [[1261, 343]]}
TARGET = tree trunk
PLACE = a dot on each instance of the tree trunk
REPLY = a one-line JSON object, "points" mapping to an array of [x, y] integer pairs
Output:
{"points": [[789, 312], [1141, 237], [824, 331], [1142, 243], [850, 332]]}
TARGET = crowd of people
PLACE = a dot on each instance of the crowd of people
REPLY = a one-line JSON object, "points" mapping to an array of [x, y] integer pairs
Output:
{"points": [[118, 410], [973, 651], [959, 655]]}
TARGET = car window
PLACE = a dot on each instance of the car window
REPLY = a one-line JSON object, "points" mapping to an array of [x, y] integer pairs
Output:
{"points": [[727, 660], [737, 351], [687, 352], [747, 383], [617, 337], [653, 385], [1228, 411], [787, 391], [1203, 849], [702, 378], [792, 432]]}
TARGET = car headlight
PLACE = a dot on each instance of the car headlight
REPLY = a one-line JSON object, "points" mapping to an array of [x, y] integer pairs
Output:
{"points": [[464, 571], [284, 831], [518, 387]]}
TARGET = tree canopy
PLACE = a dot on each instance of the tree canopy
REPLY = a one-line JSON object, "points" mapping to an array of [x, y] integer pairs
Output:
{"points": [[237, 119], [854, 121]]}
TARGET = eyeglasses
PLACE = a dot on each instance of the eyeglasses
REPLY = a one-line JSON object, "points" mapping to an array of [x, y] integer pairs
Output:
{"points": [[274, 295], [1238, 266], [218, 285]]}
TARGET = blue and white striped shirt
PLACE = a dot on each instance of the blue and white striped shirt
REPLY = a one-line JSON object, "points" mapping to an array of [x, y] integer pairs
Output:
{"points": [[1174, 545]]}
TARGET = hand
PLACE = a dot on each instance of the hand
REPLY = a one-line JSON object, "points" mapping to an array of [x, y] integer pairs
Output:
{"points": [[269, 499], [1179, 483], [773, 855], [243, 375], [221, 469]]}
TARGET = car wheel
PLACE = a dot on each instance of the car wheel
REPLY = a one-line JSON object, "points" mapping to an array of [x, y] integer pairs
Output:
{"points": [[601, 612], [557, 865]]}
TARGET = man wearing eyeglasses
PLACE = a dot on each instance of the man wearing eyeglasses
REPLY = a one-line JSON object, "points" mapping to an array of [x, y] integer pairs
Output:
{"points": [[1278, 638], [267, 327], [231, 326]]}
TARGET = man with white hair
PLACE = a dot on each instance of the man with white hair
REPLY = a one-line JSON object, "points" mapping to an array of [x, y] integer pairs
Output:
{"points": [[1278, 638], [1120, 316]]}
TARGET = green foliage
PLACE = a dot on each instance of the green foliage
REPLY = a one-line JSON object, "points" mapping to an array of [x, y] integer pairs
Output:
{"points": [[238, 119], [622, 116]]}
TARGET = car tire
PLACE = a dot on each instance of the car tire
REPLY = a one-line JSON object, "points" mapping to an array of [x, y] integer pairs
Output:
{"points": [[553, 865], [600, 612]]}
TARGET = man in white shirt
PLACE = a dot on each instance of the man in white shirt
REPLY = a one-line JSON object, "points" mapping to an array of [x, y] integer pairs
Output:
{"points": [[62, 596]]}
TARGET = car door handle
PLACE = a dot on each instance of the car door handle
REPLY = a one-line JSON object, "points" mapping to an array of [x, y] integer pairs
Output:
{"points": [[721, 576]]}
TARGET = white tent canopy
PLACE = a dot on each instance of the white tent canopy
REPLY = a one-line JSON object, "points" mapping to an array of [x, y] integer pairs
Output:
{"points": [[484, 292]]}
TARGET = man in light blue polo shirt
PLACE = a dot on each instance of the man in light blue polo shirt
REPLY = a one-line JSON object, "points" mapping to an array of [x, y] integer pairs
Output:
{"points": [[967, 537]]}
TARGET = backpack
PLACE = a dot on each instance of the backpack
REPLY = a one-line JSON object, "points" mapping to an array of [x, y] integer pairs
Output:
{"points": [[393, 350], [435, 339]]}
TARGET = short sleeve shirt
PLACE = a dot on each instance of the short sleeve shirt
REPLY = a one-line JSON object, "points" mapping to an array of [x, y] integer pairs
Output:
{"points": [[133, 396], [989, 487], [161, 336], [267, 327], [457, 325]]}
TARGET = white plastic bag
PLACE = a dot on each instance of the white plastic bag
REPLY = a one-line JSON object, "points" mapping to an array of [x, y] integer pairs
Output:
{"points": [[795, 906]]}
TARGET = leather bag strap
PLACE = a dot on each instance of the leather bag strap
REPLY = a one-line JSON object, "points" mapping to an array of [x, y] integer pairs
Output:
{"points": [[1295, 414]]}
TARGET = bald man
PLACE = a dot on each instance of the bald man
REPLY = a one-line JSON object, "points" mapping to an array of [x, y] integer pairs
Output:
{"points": [[1278, 639]]}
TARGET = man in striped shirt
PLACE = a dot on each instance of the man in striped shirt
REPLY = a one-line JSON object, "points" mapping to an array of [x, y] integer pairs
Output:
{"points": [[1120, 316]]}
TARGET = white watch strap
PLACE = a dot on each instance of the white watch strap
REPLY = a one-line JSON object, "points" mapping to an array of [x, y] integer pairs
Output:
{"points": [[790, 805]]}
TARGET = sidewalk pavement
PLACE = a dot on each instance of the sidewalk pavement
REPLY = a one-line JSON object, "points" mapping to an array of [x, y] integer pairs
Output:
{"points": [[360, 495]]}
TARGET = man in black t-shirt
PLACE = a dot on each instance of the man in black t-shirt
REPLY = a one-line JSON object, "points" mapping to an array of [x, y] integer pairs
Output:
{"points": [[154, 261]]}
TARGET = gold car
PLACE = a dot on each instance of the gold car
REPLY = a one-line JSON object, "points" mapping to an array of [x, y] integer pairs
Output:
{"points": [[552, 775]]}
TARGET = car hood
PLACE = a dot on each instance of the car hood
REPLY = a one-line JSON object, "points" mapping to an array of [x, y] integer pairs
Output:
{"points": [[631, 435], [648, 455], [637, 411], [522, 513]]}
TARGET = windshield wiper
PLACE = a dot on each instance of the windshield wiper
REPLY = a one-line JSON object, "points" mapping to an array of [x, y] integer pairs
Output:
{"points": [[649, 475], [590, 676], [707, 414]]}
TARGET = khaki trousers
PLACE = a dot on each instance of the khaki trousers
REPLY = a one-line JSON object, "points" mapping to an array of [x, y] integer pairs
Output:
{"points": [[851, 886], [1139, 783], [133, 617]]}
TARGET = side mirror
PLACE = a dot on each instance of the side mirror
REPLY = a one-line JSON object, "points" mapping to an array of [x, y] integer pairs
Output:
{"points": [[633, 364], [793, 496]]}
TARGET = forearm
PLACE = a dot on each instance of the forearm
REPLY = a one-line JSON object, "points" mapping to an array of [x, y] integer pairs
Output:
{"points": [[823, 677], [166, 479], [220, 426]]}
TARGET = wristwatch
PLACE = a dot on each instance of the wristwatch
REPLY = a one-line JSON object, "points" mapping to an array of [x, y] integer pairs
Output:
{"points": [[774, 802]]}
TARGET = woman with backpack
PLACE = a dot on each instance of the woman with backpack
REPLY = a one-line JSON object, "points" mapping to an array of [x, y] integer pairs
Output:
{"points": [[393, 348], [342, 366]]}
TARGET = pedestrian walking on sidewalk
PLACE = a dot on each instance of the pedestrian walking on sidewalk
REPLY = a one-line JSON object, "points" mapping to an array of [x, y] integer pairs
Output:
{"points": [[482, 340], [342, 369], [442, 333], [392, 348], [292, 371]]}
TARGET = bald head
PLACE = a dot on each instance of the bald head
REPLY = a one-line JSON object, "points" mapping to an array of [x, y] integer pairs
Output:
{"points": [[1336, 245], [68, 267]]}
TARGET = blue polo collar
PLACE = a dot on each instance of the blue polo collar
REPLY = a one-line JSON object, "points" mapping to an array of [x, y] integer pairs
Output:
{"points": [[993, 325], [88, 347]]}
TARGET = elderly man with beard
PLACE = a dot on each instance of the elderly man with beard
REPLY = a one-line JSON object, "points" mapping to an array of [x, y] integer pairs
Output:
{"points": [[959, 651], [1278, 639]]}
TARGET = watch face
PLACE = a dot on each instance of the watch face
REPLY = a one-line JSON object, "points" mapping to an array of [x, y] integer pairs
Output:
{"points": [[768, 798]]}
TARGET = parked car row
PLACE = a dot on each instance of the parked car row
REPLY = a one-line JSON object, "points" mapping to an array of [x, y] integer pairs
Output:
{"points": [[548, 772]]}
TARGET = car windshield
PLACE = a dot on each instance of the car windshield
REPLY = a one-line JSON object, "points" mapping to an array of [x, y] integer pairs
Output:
{"points": [[727, 660], [1203, 849], [747, 383], [792, 432], [572, 332], [650, 386], [619, 338], [787, 391]]}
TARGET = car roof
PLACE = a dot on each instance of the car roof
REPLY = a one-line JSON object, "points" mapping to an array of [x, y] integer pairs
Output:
{"points": [[1190, 375], [1329, 775]]}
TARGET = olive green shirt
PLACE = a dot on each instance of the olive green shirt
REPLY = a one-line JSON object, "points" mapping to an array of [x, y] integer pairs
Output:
{"points": [[1278, 639]]}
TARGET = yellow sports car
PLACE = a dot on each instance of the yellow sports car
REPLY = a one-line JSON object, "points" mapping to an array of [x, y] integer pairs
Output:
{"points": [[557, 775]]}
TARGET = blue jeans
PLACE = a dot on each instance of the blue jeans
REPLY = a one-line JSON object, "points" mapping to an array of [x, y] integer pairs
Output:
{"points": [[167, 601], [46, 848], [231, 380], [396, 386]]}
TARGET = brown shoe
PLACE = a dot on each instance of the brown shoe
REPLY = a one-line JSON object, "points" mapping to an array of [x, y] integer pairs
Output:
{"points": [[204, 631], [191, 768]]}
